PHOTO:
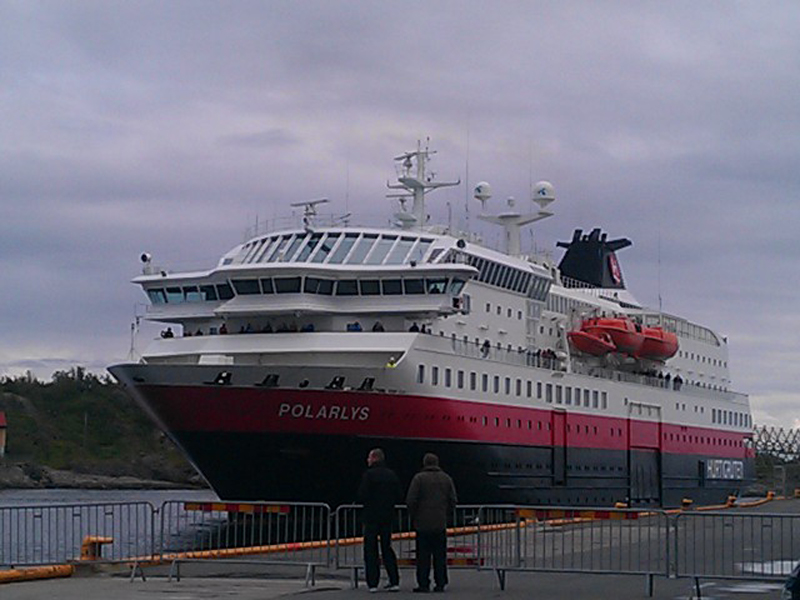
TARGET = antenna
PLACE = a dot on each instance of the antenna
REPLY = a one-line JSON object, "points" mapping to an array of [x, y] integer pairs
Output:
{"points": [[309, 210], [466, 180]]}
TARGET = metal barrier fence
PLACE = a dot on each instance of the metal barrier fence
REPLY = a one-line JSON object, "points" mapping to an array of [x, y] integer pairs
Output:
{"points": [[735, 545], [40, 535], [731, 544], [464, 539]]}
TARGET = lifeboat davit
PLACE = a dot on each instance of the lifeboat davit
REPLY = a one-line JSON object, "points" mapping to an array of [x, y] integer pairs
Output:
{"points": [[658, 344], [589, 343], [626, 335]]}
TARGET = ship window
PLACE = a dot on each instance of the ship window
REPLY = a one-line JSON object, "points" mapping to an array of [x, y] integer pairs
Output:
{"points": [[595, 399], [399, 252], [343, 249], [381, 249], [586, 398], [448, 376], [419, 251], [347, 287], [508, 386], [420, 373], [224, 291], [529, 389], [485, 382], [315, 285], [413, 286], [558, 394], [370, 287], [436, 286], [174, 295], [266, 285], [298, 239], [208, 293], [519, 387], [603, 400], [507, 277], [278, 251], [568, 395], [361, 250], [435, 254], [473, 380], [287, 285], [192, 294], [460, 379], [496, 384], [246, 287], [266, 250], [157, 296], [456, 285], [549, 393], [538, 390], [392, 287], [313, 240], [434, 375]]}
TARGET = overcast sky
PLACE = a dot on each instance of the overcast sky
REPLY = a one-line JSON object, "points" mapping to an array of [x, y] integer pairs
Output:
{"points": [[171, 126]]}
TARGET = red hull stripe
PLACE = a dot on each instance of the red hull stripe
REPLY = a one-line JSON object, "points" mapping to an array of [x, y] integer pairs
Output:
{"points": [[372, 414]]}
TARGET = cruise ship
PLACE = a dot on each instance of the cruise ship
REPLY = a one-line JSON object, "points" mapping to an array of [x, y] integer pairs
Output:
{"points": [[536, 383]]}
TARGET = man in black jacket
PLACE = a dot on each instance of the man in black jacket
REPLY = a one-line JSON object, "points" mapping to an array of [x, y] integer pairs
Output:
{"points": [[431, 498], [379, 492]]}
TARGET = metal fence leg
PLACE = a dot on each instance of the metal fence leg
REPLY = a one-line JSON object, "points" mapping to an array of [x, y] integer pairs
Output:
{"points": [[649, 585], [310, 575], [354, 578], [137, 567], [697, 590], [501, 578]]}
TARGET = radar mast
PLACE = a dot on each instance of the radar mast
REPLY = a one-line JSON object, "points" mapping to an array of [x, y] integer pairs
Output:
{"points": [[416, 181]]}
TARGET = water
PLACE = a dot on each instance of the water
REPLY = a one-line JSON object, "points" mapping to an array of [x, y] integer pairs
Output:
{"points": [[46, 526]]}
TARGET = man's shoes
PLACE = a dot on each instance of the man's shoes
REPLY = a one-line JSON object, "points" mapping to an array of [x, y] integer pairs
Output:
{"points": [[421, 590], [373, 590], [392, 587], [438, 589]]}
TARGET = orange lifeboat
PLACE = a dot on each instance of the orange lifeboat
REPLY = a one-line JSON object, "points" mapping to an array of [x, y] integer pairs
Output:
{"points": [[589, 343], [658, 344], [626, 335]]}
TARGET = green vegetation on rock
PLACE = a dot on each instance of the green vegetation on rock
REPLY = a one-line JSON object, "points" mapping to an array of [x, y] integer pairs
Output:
{"points": [[87, 424]]}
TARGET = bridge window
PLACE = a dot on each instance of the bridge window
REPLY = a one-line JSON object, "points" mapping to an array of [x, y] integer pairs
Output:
{"points": [[309, 247], [287, 285], [414, 286], [266, 285], [370, 287], [392, 287], [293, 247], [361, 250], [347, 287], [400, 251], [246, 287], [208, 293], [343, 249], [157, 296], [325, 247], [192, 294], [436, 286], [419, 251], [174, 295], [224, 291], [381, 249]]}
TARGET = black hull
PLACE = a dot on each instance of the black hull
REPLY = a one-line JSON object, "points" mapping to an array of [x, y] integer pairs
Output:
{"points": [[293, 467]]}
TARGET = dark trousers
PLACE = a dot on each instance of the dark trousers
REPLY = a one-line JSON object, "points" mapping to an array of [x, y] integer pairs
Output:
{"points": [[431, 544], [372, 533]]}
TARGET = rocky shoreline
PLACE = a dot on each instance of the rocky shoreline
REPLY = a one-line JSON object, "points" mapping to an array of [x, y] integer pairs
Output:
{"points": [[29, 476]]}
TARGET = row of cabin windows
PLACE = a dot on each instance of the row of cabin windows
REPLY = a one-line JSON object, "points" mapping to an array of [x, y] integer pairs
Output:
{"points": [[699, 439], [499, 310], [308, 285], [502, 276], [563, 305], [551, 393], [335, 248], [702, 359], [730, 417]]}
